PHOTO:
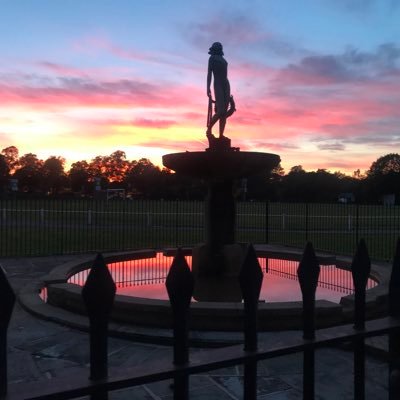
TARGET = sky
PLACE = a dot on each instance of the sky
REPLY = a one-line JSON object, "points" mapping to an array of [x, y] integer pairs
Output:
{"points": [[315, 81]]}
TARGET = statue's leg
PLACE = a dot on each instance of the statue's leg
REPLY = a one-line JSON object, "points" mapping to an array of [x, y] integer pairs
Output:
{"points": [[222, 123], [213, 121], [232, 107]]}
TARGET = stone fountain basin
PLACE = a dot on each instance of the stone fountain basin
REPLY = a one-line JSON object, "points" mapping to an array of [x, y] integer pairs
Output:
{"points": [[221, 164], [214, 316]]}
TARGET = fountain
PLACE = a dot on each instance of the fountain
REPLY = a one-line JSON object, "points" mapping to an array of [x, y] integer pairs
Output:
{"points": [[220, 257], [216, 263]]}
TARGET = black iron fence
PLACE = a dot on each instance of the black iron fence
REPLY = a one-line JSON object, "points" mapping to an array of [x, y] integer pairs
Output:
{"points": [[98, 296], [43, 227]]}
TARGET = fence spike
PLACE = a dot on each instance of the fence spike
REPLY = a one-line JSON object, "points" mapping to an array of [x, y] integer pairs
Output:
{"points": [[360, 270], [250, 279], [179, 282], [308, 274], [99, 290], [7, 301], [98, 295], [180, 286], [394, 338], [394, 285]]}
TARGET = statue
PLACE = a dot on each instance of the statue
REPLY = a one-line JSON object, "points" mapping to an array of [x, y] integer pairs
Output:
{"points": [[224, 103]]}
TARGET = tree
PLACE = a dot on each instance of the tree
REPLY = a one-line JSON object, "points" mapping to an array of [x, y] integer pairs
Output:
{"points": [[29, 172], [80, 177], [293, 184], [297, 169], [264, 186], [4, 173], [390, 163], [315, 186], [116, 166], [11, 157], [54, 177], [383, 177], [143, 176], [110, 168]]}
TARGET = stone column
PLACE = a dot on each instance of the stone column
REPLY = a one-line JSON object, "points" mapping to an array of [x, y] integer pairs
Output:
{"points": [[220, 214]]}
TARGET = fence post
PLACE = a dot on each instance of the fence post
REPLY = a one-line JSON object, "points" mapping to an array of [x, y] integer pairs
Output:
{"points": [[89, 217], [266, 222], [306, 222], [357, 223], [4, 215], [7, 301], [394, 340], [148, 220], [98, 295], [308, 274], [360, 270], [180, 285], [176, 223], [250, 279]]}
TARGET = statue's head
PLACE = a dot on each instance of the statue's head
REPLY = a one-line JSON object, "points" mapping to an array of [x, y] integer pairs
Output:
{"points": [[216, 49]]}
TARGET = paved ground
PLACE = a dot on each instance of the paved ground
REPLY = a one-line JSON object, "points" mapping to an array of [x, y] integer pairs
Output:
{"points": [[39, 351]]}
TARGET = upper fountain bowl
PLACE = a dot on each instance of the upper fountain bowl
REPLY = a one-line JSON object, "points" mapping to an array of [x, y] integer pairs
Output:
{"points": [[221, 164]]}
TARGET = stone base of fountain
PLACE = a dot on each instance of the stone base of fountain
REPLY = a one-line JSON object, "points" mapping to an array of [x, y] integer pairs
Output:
{"points": [[220, 165], [226, 262]]}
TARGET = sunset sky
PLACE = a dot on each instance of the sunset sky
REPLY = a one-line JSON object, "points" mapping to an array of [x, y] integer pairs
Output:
{"points": [[315, 81]]}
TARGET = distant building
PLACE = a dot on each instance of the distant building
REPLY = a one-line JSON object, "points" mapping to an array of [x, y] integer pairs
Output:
{"points": [[13, 185], [346, 198], [389, 199]]}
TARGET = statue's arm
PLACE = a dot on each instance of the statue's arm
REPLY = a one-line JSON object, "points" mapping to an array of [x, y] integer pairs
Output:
{"points": [[209, 78]]}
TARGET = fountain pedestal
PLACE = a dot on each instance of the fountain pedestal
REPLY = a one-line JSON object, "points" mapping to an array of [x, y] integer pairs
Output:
{"points": [[220, 166]]}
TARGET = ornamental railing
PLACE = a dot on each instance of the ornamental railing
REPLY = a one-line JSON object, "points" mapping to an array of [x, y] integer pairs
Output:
{"points": [[98, 296]]}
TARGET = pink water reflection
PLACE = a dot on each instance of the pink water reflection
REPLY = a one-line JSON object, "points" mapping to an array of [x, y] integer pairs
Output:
{"points": [[146, 278]]}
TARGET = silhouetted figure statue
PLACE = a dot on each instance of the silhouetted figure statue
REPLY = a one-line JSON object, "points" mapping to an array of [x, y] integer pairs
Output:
{"points": [[224, 103]]}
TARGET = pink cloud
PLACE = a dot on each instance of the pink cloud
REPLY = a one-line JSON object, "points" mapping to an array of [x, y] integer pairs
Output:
{"points": [[153, 123], [318, 97], [237, 30], [61, 69], [101, 43], [174, 145], [75, 92]]}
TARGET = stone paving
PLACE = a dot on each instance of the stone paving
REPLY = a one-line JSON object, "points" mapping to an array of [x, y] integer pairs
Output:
{"points": [[39, 351]]}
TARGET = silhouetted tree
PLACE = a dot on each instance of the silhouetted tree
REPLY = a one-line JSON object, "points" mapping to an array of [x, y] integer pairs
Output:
{"points": [[149, 180], [116, 166], [385, 165], [29, 172], [293, 184], [4, 174], [315, 186], [111, 169], [11, 155], [144, 177], [54, 177], [383, 177], [264, 186], [80, 178]]}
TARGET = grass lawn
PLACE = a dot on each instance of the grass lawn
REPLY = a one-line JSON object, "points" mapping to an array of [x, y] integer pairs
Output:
{"points": [[41, 227]]}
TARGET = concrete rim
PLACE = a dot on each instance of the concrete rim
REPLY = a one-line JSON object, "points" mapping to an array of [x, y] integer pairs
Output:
{"points": [[330, 313]]}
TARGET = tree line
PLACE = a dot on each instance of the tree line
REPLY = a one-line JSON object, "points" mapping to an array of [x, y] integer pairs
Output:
{"points": [[27, 175]]}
